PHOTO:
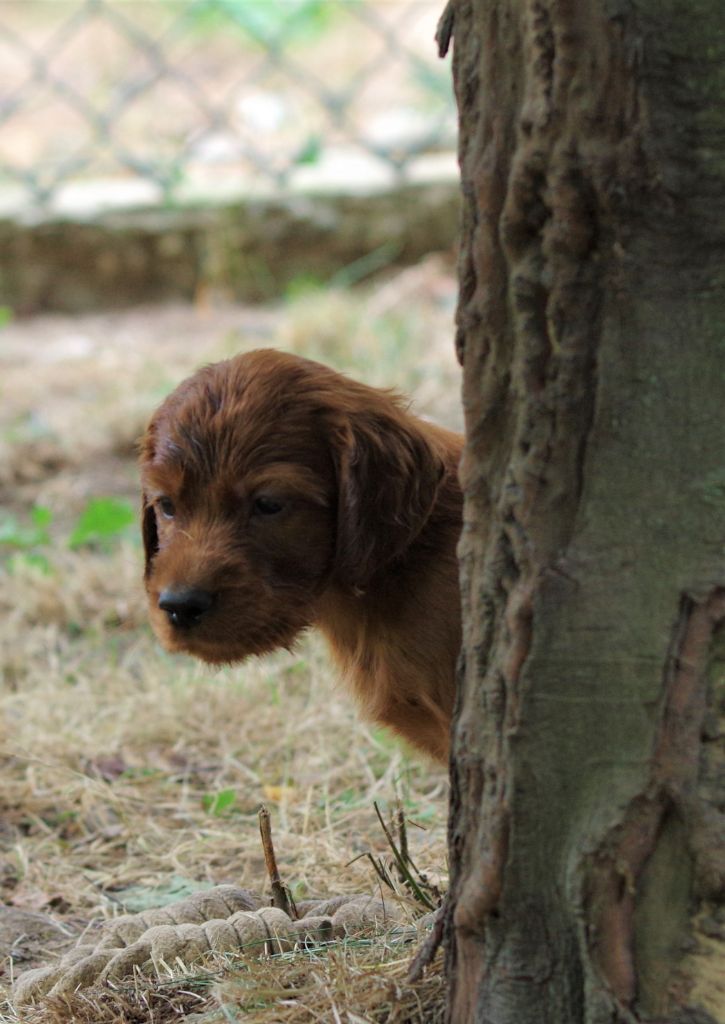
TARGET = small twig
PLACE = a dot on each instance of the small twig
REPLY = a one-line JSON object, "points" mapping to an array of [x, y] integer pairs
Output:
{"points": [[359, 856], [403, 837], [403, 823], [380, 871], [280, 896], [429, 886], [429, 947], [402, 866]]}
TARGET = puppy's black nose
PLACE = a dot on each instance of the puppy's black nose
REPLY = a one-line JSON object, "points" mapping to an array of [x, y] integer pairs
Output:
{"points": [[185, 607]]}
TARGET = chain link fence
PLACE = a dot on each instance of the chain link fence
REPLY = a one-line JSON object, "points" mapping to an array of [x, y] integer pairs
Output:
{"points": [[158, 100]]}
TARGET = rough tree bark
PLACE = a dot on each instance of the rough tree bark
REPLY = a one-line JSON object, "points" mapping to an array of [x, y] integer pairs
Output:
{"points": [[588, 774]]}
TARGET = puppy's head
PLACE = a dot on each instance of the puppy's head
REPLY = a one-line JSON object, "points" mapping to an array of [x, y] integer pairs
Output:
{"points": [[267, 479]]}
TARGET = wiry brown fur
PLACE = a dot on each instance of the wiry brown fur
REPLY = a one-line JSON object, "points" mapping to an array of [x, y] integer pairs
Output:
{"points": [[363, 545]]}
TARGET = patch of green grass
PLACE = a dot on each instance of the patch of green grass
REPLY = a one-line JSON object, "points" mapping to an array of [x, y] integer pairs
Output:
{"points": [[348, 799], [138, 898], [102, 521], [301, 285], [33, 560], [219, 802], [25, 538]]}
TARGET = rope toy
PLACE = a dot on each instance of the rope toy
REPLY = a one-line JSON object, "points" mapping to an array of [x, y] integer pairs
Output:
{"points": [[221, 920]]}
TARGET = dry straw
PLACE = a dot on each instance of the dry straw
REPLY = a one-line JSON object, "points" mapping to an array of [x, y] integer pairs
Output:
{"points": [[114, 754]]}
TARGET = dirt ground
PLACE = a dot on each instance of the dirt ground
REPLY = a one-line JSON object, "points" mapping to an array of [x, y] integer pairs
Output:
{"points": [[132, 777]]}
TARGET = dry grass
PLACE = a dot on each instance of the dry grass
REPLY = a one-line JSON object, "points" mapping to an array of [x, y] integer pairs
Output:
{"points": [[111, 749], [354, 982]]}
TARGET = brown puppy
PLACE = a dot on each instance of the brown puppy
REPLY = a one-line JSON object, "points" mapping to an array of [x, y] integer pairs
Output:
{"points": [[277, 495]]}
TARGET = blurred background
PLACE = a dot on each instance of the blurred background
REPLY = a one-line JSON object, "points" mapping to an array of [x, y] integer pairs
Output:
{"points": [[160, 98], [226, 144], [180, 181]]}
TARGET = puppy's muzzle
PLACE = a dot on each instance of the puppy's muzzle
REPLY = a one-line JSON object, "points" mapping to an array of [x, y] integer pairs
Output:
{"points": [[185, 608]]}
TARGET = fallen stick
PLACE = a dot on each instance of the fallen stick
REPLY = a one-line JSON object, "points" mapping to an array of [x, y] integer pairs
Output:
{"points": [[280, 898]]}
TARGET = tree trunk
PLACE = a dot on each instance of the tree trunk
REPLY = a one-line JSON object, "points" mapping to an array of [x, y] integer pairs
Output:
{"points": [[588, 780]]}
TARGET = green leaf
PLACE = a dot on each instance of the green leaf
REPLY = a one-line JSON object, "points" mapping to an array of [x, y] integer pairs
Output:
{"points": [[310, 152], [41, 516], [298, 890], [217, 803], [102, 519]]}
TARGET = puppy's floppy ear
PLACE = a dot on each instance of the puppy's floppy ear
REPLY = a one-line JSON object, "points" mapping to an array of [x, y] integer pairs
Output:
{"points": [[150, 535], [388, 479]]}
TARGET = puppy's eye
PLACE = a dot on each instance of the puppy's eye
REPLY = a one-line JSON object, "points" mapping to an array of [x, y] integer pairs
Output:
{"points": [[266, 506], [166, 507]]}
